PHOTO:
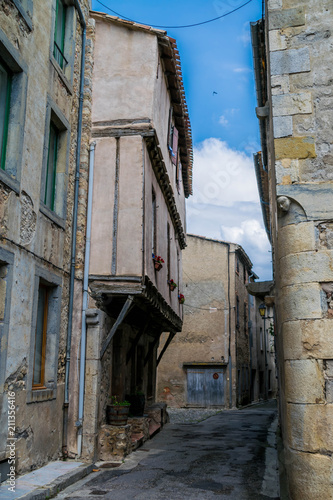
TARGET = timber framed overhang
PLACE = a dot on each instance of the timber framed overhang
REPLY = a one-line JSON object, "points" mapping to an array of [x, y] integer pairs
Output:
{"points": [[169, 54], [112, 292], [162, 176]]}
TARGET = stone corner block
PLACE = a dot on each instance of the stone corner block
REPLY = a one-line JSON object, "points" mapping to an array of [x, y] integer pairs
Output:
{"points": [[286, 18], [294, 148], [283, 126], [304, 381]]}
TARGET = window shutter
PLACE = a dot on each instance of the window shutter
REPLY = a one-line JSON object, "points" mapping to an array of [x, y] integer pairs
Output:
{"points": [[175, 146]]}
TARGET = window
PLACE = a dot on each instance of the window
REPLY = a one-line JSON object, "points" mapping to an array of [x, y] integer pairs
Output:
{"points": [[13, 95], [59, 33], [173, 140], [54, 179], [5, 88], [237, 312], [44, 340], [38, 379], [51, 171], [168, 252], [153, 223]]}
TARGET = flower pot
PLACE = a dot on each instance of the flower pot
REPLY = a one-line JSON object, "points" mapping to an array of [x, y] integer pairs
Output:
{"points": [[172, 287], [158, 265], [181, 301], [117, 414], [138, 402]]}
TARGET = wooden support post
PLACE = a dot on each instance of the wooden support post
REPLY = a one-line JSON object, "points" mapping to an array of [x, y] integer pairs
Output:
{"points": [[136, 341], [125, 310], [166, 345]]}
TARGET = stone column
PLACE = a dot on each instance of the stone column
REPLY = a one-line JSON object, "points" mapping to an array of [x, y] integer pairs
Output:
{"points": [[95, 320]]}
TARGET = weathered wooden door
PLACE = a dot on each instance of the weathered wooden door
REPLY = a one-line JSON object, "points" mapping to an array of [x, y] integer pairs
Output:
{"points": [[205, 386]]}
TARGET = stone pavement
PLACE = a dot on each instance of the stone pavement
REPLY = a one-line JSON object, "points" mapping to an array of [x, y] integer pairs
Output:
{"points": [[202, 454], [230, 455], [47, 481]]}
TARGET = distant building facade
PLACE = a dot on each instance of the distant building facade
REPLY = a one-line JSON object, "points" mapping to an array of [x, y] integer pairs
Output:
{"points": [[292, 49], [142, 159], [40, 75], [215, 360]]}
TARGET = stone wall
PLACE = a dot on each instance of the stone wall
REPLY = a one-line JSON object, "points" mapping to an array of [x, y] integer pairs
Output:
{"points": [[300, 62], [36, 242]]}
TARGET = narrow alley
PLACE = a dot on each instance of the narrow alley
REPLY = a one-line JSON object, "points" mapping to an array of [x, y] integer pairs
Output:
{"points": [[229, 455]]}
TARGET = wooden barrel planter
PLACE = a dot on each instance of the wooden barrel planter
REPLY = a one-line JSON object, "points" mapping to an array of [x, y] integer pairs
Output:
{"points": [[117, 414]]}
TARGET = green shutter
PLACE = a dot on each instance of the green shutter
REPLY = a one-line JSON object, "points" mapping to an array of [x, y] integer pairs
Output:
{"points": [[5, 91]]}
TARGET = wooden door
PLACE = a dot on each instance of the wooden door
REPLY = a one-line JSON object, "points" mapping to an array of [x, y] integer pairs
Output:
{"points": [[205, 386]]}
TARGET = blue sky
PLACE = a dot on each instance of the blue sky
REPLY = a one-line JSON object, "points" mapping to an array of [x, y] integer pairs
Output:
{"points": [[220, 92]]}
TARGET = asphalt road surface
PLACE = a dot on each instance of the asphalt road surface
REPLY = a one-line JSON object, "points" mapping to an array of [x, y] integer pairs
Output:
{"points": [[230, 455]]}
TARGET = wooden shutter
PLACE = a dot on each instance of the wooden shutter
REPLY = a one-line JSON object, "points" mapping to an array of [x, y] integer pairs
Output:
{"points": [[175, 146]]}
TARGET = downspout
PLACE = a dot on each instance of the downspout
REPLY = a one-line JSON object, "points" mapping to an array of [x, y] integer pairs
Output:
{"points": [[85, 297], [229, 347], [74, 230]]}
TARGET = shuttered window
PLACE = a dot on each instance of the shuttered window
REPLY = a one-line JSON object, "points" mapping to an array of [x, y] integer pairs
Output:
{"points": [[5, 88], [59, 33]]}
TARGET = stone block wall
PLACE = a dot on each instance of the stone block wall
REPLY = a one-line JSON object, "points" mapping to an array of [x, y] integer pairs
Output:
{"points": [[300, 66]]}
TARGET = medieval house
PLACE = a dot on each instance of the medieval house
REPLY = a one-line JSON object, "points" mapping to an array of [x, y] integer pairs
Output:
{"points": [[292, 50], [41, 131], [217, 360], [141, 155]]}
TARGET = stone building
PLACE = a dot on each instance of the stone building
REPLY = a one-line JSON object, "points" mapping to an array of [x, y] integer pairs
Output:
{"points": [[217, 360], [293, 67], [141, 155], [41, 84]]}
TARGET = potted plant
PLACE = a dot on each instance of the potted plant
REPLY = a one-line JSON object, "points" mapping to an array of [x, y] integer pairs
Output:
{"points": [[137, 401], [181, 298], [158, 261], [172, 285], [117, 412]]}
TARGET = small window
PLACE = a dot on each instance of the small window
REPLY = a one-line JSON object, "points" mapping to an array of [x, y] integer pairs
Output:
{"points": [[59, 34], [153, 223], [5, 90], [173, 139], [50, 183], [38, 379]]}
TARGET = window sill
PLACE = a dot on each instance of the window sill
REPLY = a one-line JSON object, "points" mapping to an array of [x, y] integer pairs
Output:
{"points": [[38, 395], [10, 181], [24, 14], [61, 74], [52, 216]]}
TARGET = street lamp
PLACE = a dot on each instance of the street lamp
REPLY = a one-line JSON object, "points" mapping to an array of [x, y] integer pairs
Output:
{"points": [[262, 311]]}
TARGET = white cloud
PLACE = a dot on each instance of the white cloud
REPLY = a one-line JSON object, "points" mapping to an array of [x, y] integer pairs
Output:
{"points": [[225, 202], [223, 121], [242, 70], [222, 176], [245, 37]]}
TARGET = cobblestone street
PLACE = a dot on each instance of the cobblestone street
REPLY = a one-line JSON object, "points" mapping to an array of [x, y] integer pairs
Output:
{"points": [[229, 454]]}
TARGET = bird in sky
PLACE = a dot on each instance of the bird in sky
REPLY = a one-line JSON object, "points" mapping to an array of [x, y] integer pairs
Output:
{"points": [[214, 92]]}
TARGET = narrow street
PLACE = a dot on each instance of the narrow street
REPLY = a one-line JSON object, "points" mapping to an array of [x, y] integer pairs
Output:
{"points": [[230, 455]]}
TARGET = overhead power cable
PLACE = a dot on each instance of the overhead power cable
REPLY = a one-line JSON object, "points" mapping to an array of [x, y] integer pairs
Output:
{"points": [[174, 27]]}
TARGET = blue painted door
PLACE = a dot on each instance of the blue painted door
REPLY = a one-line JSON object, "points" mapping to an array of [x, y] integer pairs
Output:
{"points": [[205, 386]]}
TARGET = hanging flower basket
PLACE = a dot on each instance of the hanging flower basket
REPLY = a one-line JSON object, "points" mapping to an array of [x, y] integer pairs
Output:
{"points": [[158, 262], [172, 285], [181, 298]]}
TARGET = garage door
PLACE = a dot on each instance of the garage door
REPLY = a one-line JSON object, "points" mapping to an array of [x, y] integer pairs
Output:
{"points": [[205, 386]]}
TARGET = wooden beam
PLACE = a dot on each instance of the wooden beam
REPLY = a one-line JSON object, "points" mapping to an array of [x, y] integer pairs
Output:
{"points": [[125, 310], [166, 345], [152, 347]]}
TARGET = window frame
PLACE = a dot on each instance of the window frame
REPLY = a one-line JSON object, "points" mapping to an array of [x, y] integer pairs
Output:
{"points": [[65, 72], [41, 384], [55, 117], [48, 390], [11, 163], [3, 146]]}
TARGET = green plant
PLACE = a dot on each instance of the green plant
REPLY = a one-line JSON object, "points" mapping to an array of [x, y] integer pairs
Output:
{"points": [[115, 401]]}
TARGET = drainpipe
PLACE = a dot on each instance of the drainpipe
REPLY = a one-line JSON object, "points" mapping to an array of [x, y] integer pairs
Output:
{"points": [[85, 297], [229, 347], [74, 229]]}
